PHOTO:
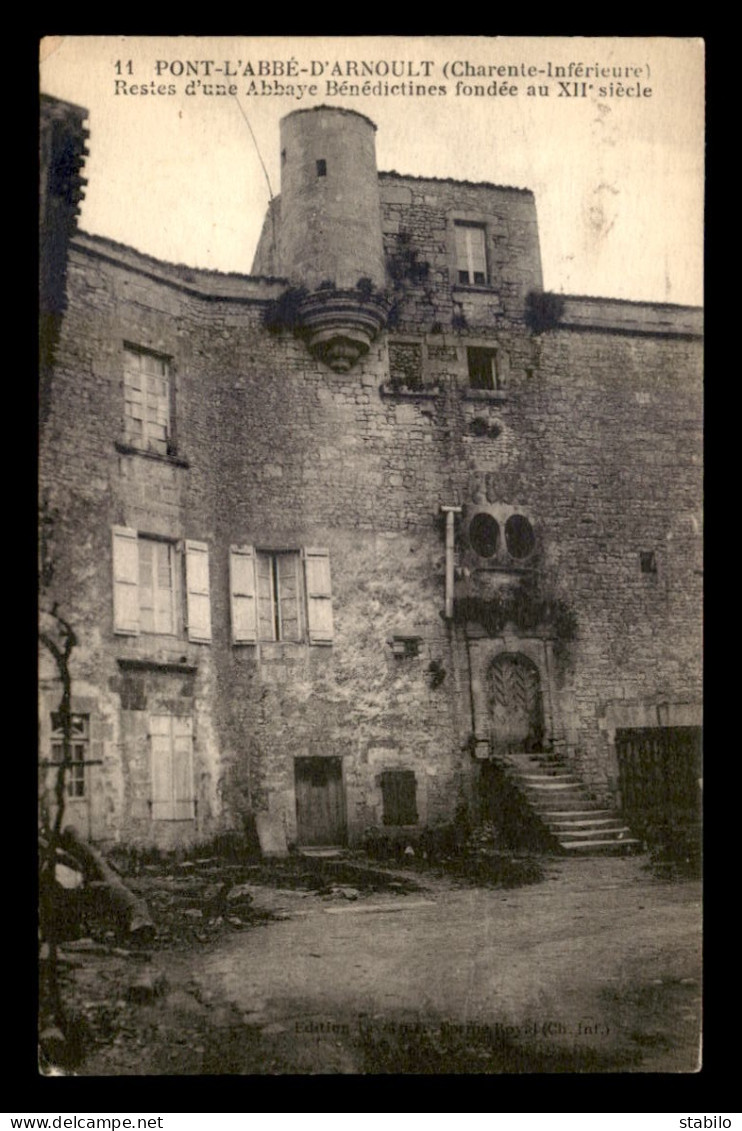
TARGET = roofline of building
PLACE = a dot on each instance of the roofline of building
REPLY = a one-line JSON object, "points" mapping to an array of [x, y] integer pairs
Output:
{"points": [[335, 110], [230, 285], [453, 181], [625, 301], [192, 280]]}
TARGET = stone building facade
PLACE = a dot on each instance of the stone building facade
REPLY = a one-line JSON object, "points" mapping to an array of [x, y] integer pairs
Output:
{"points": [[336, 534]]}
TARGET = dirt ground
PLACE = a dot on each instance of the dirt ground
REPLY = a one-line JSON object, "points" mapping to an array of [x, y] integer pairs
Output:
{"points": [[594, 969]]}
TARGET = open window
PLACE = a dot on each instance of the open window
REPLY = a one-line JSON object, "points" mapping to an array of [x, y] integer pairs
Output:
{"points": [[280, 595], [150, 593], [483, 369]]}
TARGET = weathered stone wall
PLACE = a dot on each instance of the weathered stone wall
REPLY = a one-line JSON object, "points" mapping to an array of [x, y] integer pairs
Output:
{"points": [[418, 220], [594, 434]]}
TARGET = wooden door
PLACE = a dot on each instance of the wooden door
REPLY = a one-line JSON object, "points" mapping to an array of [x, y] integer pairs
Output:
{"points": [[320, 802], [514, 695]]}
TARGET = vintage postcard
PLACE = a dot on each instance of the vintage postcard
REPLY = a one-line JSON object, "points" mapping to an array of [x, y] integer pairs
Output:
{"points": [[370, 555]]}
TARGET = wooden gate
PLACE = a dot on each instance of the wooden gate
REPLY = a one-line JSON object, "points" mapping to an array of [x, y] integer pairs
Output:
{"points": [[320, 801], [659, 776], [514, 700]]}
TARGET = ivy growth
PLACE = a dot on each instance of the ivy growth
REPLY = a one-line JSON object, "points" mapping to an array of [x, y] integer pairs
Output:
{"points": [[284, 312], [405, 266], [544, 311], [524, 607]]}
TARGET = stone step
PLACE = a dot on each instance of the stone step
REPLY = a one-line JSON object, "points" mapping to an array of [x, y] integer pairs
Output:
{"points": [[548, 775], [588, 847], [548, 784], [561, 814], [566, 836], [562, 802], [587, 822]]}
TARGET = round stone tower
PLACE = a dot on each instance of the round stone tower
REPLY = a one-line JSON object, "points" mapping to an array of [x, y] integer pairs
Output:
{"points": [[330, 217], [329, 237]]}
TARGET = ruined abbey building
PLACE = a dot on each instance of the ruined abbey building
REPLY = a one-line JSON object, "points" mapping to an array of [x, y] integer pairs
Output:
{"points": [[373, 536]]}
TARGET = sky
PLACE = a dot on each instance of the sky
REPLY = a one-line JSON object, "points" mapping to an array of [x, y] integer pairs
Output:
{"points": [[615, 159]]}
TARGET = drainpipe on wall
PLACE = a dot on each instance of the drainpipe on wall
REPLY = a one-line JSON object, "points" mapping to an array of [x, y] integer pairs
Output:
{"points": [[449, 513]]}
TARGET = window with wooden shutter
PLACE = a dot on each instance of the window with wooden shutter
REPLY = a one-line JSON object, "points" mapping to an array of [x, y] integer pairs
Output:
{"points": [[399, 793], [148, 586], [280, 606], [243, 594], [198, 593], [319, 595], [171, 753], [125, 581]]}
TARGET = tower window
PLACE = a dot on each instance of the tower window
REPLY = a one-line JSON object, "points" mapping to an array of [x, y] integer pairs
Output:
{"points": [[648, 561], [321, 167], [471, 257]]}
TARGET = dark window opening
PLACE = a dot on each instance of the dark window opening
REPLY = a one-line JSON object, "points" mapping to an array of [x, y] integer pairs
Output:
{"points": [[399, 793], [321, 167], [482, 368], [283, 155], [519, 537], [484, 535], [648, 561]]}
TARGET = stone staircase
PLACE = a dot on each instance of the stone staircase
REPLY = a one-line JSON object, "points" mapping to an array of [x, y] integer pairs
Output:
{"points": [[564, 805]]}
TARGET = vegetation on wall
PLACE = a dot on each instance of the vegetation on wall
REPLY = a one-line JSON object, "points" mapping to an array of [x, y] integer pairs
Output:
{"points": [[284, 312], [524, 606], [404, 266], [544, 311]]}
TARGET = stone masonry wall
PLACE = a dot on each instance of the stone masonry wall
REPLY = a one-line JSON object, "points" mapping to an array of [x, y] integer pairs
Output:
{"points": [[595, 435]]}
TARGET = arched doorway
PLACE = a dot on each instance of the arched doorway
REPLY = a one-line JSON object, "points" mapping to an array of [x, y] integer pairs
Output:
{"points": [[514, 704]]}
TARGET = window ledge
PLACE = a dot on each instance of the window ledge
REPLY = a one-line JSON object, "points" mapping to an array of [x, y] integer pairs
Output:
{"points": [[510, 567], [477, 288], [130, 450], [130, 665], [405, 393], [497, 396]]}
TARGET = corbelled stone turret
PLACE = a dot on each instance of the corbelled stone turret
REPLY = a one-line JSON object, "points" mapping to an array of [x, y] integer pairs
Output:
{"points": [[329, 233]]}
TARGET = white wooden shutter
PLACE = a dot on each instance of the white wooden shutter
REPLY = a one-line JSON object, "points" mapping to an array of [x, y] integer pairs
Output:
{"points": [[161, 756], [319, 595], [197, 587], [183, 804], [243, 594], [125, 581]]}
